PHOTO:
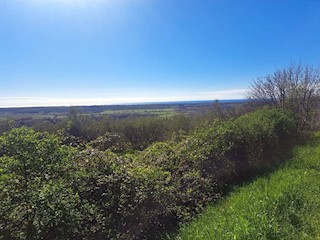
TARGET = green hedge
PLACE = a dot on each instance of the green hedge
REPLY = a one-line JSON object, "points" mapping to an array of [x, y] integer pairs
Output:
{"points": [[52, 191]]}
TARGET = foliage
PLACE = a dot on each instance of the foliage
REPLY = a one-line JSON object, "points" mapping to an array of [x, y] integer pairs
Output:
{"points": [[36, 200], [284, 205], [6, 125], [50, 190], [111, 141], [121, 135], [132, 132]]}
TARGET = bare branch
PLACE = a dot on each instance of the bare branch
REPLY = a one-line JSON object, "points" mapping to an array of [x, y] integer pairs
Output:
{"points": [[296, 88]]}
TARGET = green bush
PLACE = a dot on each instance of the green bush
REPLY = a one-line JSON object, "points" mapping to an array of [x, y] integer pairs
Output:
{"points": [[37, 200], [53, 191], [204, 162]]}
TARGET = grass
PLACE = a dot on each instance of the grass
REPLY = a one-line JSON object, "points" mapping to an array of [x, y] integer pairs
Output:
{"points": [[165, 112], [283, 205]]}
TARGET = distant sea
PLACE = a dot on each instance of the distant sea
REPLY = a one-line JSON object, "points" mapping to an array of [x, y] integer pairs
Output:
{"points": [[123, 105], [192, 102]]}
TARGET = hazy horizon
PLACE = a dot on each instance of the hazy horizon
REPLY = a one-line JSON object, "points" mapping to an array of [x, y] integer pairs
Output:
{"points": [[89, 102], [7, 102]]}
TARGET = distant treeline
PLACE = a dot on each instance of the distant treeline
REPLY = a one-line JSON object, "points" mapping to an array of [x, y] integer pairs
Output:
{"points": [[101, 108]]}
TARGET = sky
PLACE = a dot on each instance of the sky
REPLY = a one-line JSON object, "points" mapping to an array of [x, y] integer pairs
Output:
{"points": [[88, 52]]}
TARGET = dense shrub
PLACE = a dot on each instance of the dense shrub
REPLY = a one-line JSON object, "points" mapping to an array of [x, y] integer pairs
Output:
{"points": [[36, 197], [111, 141], [51, 191], [135, 132], [204, 162]]}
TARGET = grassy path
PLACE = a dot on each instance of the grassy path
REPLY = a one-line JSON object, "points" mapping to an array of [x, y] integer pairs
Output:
{"points": [[284, 205]]}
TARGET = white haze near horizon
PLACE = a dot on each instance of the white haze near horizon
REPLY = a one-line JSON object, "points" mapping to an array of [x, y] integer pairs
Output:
{"points": [[12, 101]]}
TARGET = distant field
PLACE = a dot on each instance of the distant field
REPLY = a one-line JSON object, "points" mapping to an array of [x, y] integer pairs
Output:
{"points": [[155, 109], [165, 112], [28, 116]]}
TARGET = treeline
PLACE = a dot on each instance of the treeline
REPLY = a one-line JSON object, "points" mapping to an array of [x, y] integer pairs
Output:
{"points": [[132, 133], [50, 189]]}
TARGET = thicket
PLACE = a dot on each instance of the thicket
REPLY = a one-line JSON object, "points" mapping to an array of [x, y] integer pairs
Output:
{"points": [[282, 205], [120, 135], [50, 190]]}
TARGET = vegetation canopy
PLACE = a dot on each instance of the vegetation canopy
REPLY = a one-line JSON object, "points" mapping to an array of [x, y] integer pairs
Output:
{"points": [[52, 190]]}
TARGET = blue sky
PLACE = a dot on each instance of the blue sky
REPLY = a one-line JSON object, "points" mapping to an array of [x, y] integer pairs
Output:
{"points": [[83, 52]]}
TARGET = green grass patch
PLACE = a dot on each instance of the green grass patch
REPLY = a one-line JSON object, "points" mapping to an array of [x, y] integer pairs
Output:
{"points": [[283, 205]]}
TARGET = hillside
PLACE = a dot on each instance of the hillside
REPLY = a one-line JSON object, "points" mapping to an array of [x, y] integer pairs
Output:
{"points": [[283, 205]]}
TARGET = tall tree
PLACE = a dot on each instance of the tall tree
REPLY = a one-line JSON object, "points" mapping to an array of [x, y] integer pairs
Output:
{"points": [[296, 87]]}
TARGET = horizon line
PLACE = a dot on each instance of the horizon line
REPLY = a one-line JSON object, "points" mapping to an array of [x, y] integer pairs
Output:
{"points": [[125, 103]]}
